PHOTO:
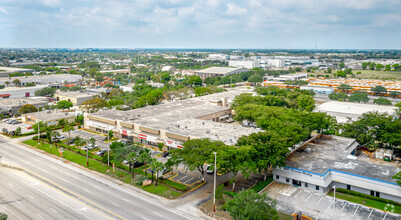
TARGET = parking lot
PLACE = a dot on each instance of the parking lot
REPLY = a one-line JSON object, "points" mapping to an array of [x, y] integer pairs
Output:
{"points": [[11, 127], [185, 178], [291, 199], [87, 135]]}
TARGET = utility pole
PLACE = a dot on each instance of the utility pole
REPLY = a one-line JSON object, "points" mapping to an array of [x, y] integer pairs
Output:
{"points": [[334, 202], [214, 185], [38, 128], [87, 157], [108, 150]]}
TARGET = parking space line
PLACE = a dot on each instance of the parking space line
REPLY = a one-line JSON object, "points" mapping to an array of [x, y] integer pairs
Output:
{"points": [[370, 214], [189, 180], [345, 203], [308, 197], [319, 200], [356, 209], [297, 193], [278, 207]]}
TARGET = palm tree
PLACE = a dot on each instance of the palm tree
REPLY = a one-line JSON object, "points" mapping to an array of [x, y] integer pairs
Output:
{"points": [[68, 129], [54, 135], [145, 157], [92, 141], [131, 158], [7, 83], [156, 166]]}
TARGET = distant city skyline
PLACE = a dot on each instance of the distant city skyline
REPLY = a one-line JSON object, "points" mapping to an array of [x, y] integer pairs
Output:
{"points": [[287, 24]]}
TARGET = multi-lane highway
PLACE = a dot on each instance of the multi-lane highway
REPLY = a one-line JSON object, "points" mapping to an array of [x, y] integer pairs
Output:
{"points": [[48, 188]]}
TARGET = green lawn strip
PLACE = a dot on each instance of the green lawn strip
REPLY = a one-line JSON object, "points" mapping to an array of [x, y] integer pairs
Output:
{"points": [[283, 216], [262, 184], [365, 201], [175, 185], [161, 190]]}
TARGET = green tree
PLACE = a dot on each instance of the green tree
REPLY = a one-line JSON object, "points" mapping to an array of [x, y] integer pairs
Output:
{"points": [[46, 91], [201, 91], [62, 122], [111, 134], [397, 177], [7, 83], [387, 67], [68, 129], [64, 104], [256, 78], [145, 157], [344, 88], [53, 135], [329, 70], [394, 94], [382, 101], [27, 108], [194, 154], [305, 103], [358, 97], [399, 106], [364, 65], [379, 66], [341, 65], [94, 104], [396, 67], [18, 131], [17, 82], [253, 206], [3, 216], [338, 96], [92, 141], [379, 90]]}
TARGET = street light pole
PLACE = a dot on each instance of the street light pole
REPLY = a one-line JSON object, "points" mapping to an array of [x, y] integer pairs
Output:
{"points": [[214, 185], [108, 150], [334, 202], [38, 127], [87, 157]]}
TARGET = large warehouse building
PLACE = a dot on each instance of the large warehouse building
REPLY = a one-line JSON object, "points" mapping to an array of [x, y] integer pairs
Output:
{"points": [[334, 161], [343, 111], [174, 123], [44, 79], [219, 71]]}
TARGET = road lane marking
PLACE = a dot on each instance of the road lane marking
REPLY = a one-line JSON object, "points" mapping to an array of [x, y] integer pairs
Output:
{"points": [[40, 216], [53, 210], [30, 196], [11, 184], [385, 215], [115, 204]]}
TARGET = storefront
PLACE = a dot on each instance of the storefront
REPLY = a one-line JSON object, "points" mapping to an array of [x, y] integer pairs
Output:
{"points": [[172, 144], [99, 127], [126, 134], [147, 139]]}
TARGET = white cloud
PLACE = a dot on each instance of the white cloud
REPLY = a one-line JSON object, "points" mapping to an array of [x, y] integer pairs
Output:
{"points": [[233, 9], [51, 3], [3, 10], [332, 18]]}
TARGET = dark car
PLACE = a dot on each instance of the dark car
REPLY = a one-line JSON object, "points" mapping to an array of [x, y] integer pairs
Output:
{"points": [[101, 152], [70, 141], [138, 164], [165, 154]]}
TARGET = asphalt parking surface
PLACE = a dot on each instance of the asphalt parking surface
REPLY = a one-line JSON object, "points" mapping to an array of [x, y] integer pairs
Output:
{"points": [[87, 135], [11, 127], [291, 199], [185, 179]]}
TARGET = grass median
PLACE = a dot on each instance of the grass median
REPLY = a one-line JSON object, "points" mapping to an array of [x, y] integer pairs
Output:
{"points": [[161, 190]]}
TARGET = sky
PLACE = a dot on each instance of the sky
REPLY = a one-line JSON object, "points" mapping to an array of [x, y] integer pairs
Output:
{"points": [[265, 24]]}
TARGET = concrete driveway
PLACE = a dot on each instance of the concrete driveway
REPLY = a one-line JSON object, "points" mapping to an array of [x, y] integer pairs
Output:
{"points": [[11, 127], [87, 135], [291, 199]]}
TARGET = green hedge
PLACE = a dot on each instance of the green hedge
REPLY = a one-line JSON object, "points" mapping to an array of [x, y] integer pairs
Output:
{"points": [[3, 216], [262, 184], [229, 193], [367, 196], [175, 185]]}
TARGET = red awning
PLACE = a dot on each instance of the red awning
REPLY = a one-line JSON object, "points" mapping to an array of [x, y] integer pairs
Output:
{"points": [[5, 95]]}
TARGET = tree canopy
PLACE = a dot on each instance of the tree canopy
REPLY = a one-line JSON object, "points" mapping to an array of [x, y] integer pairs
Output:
{"points": [[27, 108]]}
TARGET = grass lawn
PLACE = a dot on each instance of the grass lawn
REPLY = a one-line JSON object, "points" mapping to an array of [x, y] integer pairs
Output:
{"points": [[283, 216], [365, 201], [160, 190], [367, 74]]}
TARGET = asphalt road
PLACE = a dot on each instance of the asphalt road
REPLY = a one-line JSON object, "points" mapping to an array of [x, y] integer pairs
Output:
{"points": [[90, 191]]}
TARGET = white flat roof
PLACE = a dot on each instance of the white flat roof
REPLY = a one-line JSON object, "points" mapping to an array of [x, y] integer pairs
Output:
{"points": [[218, 70]]}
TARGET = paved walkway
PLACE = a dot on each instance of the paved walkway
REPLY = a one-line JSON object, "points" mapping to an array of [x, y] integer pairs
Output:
{"points": [[291, 199]]}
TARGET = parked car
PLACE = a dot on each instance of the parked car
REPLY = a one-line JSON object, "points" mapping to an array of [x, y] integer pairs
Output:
{"points": [[29, 127], [71, 141], [58, 138], [12, 133], [165, 170], [85, 148], [9, 121], [138, 164], [92, 146], [101, 152], [209, 169], [165, 154]]}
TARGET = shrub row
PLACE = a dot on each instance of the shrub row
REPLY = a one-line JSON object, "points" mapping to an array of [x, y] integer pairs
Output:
{"points": [[346, 191], [229, 193], [175, 185], [262, 184]]}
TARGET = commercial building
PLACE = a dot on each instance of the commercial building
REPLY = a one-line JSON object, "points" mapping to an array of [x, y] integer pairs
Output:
{"points": [[76, 98], [175, 122], [285, 77], [4, 71], [248, 64], [331, 161], [51, 117], [219, 71], [318, 89], [343, 111], [272, 63], [44, 79], [19, 92], [124, 71], [11, 106]]}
